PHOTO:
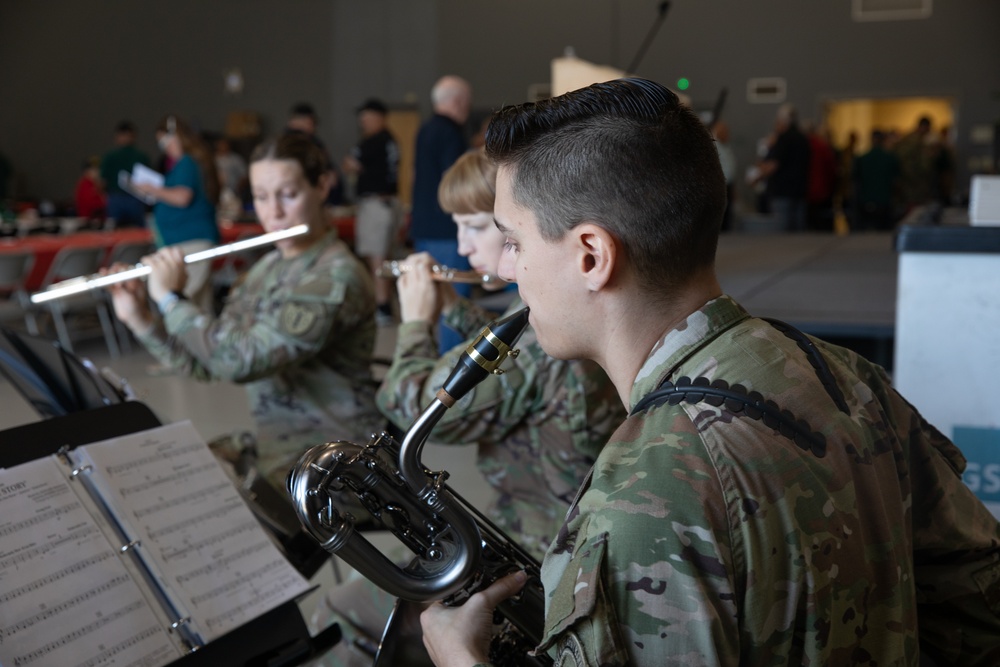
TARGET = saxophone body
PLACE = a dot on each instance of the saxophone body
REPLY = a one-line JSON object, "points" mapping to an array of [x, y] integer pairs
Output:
{"points": [[456, 550]]}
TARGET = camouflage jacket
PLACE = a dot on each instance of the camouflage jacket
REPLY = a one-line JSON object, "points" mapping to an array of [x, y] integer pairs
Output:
{"points": [[830, 527], [298, 333], [538, 426]]}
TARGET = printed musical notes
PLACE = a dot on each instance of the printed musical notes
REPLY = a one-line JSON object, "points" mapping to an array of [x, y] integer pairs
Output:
{"points": [[63, 588], [129, 551], [196, 534]]}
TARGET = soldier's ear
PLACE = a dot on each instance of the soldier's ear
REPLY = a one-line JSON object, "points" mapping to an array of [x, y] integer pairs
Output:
{"points": [[597, 254]]}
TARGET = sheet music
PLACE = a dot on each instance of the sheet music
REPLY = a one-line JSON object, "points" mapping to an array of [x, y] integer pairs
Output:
{"points": [[192, 523], [63, 590], [141, 175]]}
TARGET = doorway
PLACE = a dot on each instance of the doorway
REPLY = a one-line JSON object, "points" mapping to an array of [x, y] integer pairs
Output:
{"points": [[896, 116]]}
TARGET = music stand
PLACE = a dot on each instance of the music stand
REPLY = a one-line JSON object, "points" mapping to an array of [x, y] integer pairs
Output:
{"points": [[279, 637]]}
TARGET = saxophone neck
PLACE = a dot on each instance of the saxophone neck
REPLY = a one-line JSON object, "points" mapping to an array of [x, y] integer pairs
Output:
{"points": [[412, 447]]}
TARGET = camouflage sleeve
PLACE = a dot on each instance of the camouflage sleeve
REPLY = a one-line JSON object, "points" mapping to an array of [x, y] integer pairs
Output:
{"points": [[956, 553], [488, 412], [241, 348], [956, 540], [467, 318]]}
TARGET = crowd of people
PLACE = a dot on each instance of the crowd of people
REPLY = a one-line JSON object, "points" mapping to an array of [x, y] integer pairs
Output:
{"points": [[804, 181]]}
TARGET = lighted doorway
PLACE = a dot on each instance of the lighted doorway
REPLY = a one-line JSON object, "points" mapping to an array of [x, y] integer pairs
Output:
{"points": [[898, 115]]}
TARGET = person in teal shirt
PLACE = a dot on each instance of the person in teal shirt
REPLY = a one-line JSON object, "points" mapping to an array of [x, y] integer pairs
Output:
{"points": [[185, 204]]}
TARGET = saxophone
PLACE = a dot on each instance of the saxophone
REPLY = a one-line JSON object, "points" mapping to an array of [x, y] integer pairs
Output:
{"points": [[457, 551]]}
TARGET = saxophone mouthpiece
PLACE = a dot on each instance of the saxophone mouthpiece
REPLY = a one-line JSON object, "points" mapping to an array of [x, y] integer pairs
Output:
{"points": [[484, 356]]}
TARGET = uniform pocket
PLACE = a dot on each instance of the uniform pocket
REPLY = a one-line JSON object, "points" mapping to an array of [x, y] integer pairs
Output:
{"points": [[580, 623]]}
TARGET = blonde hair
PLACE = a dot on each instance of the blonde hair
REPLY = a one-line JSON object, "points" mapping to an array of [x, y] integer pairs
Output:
{"points": [[470, 185]]}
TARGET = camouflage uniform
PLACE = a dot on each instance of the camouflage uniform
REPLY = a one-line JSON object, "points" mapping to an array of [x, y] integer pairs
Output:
{"points": [[707, 537], [299, 334], [538, 426]]}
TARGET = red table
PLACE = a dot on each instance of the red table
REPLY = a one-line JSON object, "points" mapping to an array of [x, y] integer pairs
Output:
{"points": [[45, 247]]}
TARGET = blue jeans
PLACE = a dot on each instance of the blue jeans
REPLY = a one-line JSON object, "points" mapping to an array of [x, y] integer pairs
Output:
{"points": [[790, 212], [126, 210], [445, 252]]}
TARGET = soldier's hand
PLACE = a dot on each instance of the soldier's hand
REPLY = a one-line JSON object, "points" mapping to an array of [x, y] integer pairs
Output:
{"points": [[130, 301], [169, 273], [418, 293], [460, 636]]}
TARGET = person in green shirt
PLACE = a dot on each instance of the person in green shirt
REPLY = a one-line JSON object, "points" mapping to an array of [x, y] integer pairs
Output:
{"points": [[125, 209]]}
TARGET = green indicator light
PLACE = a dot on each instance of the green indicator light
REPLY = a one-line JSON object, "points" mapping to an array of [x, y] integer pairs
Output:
{"points": [[682, 84]]}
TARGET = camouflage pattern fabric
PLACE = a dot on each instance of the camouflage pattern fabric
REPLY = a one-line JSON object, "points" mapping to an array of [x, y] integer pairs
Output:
{"points": [[299, 334], [538, 426], [706, 537]]}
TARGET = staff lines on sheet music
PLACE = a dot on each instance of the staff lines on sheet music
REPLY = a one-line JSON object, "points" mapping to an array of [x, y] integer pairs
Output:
{"points": [[229, 586], [154, 458], [66, 605], [83, 631], [222, 510], [224, 562], [168, 479], [38, 518], [192, 497], [224, 617], [46, 547], [214, 539], [102, 657], [73, 568]]}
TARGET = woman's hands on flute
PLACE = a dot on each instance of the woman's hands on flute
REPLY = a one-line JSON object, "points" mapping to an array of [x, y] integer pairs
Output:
{"points": [[130, 298], [421, 298]]}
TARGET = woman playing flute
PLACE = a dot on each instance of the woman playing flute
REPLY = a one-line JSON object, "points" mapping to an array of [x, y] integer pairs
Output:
{"points": [[298, 332]]}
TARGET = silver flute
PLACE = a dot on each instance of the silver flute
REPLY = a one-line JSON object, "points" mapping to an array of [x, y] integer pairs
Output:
{"points": [[96, 281], [394, 269]]}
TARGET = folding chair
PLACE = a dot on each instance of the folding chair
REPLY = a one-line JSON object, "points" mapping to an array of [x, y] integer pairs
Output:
{"points": [[74, 262], [14, 269]]}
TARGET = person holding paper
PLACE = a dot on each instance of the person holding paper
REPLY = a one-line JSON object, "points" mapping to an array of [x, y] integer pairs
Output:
{"points": [[184, 205], [298, 332]]}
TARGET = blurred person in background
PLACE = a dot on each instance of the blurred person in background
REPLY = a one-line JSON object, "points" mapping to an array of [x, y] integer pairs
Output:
{"points": [[374, 163], [440, 141], [184, 208], [123, 208], [88, 196]]}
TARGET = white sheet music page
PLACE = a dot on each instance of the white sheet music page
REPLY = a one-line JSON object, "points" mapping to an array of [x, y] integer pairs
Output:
{"points": [[65, 597], [193, 525]]}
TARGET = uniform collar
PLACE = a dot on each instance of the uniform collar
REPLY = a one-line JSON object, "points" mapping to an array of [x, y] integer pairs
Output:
{"points": [[682, 341]]}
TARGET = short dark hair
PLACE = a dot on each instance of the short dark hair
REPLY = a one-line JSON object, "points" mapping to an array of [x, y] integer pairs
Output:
{"points": [[626, 155], [374, 104], [304, 109], [299, 147], [125, 127]]}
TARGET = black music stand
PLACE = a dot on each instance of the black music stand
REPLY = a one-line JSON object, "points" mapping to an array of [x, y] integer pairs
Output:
{"points": [[52, 380], [275, 639], [55, 382]]}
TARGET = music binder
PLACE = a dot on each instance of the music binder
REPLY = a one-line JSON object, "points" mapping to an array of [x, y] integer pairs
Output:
{"points": [[136, 549]]}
